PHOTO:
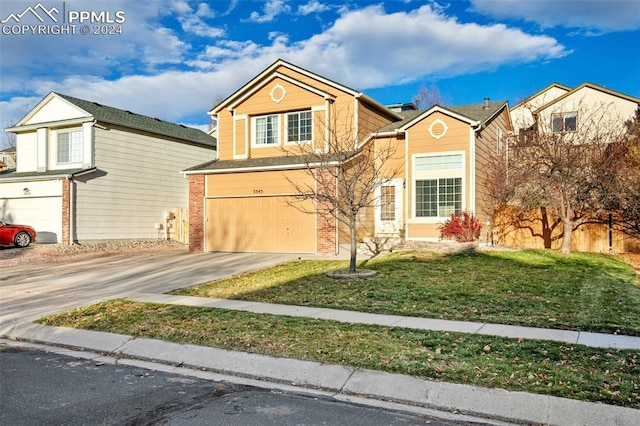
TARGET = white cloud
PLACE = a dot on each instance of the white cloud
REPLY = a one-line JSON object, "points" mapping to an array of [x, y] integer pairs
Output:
{"points": [[204, 11], [271, 9], [193, 24], [600, 15], [362, 49], [313, 6], [370, 48]]}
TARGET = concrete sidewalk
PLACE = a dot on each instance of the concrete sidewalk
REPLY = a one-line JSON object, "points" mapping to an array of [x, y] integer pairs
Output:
{"points": [[493, 406], [597, 340]]}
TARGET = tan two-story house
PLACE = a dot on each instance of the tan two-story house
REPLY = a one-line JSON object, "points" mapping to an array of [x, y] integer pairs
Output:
{"points": [[245, 200]]}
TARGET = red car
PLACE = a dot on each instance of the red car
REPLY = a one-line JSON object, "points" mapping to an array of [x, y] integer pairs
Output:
{"points": [[16, 235]]}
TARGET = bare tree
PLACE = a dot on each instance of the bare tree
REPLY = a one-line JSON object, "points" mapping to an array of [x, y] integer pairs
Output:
{"points": [[571, 175], [9, 139], [428, 97], [212, 124], [346, 165], [623, 182]]}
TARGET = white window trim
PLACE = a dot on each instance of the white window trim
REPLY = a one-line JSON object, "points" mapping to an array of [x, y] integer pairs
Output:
{"points": [[397, 223], [440, 174], [286, 128], [56, 134], [564, 116], [254, 129]]}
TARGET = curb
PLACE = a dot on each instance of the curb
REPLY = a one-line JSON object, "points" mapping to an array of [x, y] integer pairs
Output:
{"points": [[348, 382]]}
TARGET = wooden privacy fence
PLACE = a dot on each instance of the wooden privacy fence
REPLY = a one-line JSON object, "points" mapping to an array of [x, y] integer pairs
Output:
{"points": [[179, 225], [595, 238]]}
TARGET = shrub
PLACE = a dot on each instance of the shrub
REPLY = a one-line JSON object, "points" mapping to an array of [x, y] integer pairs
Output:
{"points": [[463, 228]]}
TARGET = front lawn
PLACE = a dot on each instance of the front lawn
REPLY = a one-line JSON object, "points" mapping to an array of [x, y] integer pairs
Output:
{"points": [[534, 288], [549, 368], [587, 292]]}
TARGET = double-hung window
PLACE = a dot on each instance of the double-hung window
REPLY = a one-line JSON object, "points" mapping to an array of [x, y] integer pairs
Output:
{"points": [[265, 130], [70, 144], [438, 185], [564, 122], [299, 126]]}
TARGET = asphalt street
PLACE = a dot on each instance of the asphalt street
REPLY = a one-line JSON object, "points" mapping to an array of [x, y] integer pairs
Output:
{"points": [[38, 388]]}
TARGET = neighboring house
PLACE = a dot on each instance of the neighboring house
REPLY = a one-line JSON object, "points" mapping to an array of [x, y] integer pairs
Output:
{"points": [[90, 172], [8, 158], [242, 200], [522, 113], [587, 112], [559, 109]]}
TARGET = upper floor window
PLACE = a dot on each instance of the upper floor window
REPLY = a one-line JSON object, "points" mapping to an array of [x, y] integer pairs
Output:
{"points": [[299, 126], [70, 146], [563, 122], [265, 130]]}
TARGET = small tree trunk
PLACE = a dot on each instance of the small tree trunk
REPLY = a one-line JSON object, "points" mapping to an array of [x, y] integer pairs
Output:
{"points": [[546, 229], [354, 244], [566, 237]]}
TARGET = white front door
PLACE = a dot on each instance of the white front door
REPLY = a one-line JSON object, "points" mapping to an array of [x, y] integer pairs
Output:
{"points": [[389, 208]]}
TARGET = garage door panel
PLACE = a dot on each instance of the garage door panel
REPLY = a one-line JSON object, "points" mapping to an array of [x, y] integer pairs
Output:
{"points": [[259, 224], [43, 213]]}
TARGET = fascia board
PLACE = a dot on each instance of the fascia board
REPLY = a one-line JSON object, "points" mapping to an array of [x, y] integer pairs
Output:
{"points": [[57, 123], [259, 169], [437, 108]]}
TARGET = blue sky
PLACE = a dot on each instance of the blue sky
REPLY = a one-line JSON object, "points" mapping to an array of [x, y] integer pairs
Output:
{"points": [[174, 58]]}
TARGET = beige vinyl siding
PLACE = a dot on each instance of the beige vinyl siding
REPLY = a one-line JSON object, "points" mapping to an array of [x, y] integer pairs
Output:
{"points": [[370, 120], [56, 110], [27, 146], [138, 178], [486, 152], [455, 140]]}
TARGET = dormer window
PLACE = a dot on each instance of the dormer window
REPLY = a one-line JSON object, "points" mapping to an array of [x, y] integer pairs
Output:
{"points": [[265, 130], [70, 144], [564, 122]]}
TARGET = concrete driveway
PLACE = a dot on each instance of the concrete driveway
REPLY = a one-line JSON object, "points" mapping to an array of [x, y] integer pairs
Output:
{"points": [[29, 292]]}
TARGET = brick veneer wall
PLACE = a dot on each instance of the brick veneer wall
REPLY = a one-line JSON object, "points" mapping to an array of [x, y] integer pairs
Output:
{"points": [[326, 222], [196, 213], [326, 235], [66, 212]]}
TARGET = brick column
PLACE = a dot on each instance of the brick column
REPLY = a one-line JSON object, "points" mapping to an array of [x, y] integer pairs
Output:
{"points": [[196, 213], [326, 223], [326, 234], [66, 212]]}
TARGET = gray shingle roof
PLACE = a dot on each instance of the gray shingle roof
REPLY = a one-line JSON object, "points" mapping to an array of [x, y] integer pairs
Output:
{"points": [[478, 112], [283, 162], [132, 120], [12, 174], [475, 112]]}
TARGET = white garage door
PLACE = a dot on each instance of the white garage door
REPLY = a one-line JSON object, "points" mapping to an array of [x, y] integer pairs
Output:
{"points": [[44, 214]]}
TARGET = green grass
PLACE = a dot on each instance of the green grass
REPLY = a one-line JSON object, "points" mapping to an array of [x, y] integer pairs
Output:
{"points": [[551, 368], [586, 292], [589, 292]]}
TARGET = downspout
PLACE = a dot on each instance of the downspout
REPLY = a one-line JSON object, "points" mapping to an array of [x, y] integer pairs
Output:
{"points": [[405, 187], [72, 211], [472, 169]]}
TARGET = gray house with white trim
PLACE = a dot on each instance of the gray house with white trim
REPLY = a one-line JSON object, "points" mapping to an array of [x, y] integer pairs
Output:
{"points": [[90, 172]]}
